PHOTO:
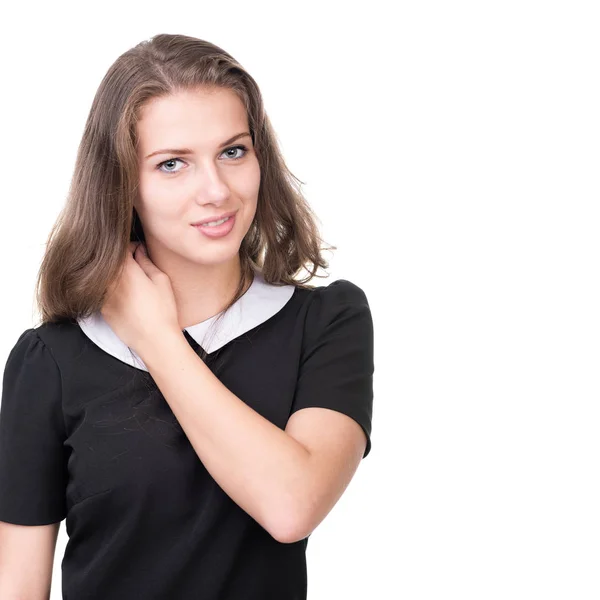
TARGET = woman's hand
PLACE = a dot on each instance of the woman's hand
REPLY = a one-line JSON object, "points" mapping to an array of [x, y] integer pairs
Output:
{"points": [[140, 306]]}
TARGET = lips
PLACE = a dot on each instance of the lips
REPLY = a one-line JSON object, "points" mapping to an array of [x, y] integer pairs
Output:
{"points": [[217, 218], [217, 231]]}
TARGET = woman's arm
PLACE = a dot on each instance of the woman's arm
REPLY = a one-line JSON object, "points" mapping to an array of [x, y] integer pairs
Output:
{"points": [[26, 560], [261, 467]]}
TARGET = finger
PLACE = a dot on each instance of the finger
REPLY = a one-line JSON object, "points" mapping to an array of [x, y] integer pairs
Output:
{"points": [[141, 253], [141, 256]]}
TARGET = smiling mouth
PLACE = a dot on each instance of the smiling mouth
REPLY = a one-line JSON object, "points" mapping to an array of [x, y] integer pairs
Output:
{"points": [[213, 219], [214, 223]]}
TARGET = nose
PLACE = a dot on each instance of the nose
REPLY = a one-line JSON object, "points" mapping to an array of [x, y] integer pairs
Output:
{"points": [[211, 188]]}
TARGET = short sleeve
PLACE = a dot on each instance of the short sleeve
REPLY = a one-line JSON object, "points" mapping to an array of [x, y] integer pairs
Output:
{"points": [[337, 364], [33, 471]]}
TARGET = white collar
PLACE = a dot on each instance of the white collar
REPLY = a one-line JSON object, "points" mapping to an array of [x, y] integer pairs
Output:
{"points": [[260, 302]]}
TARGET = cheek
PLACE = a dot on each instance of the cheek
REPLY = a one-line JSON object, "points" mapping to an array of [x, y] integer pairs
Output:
{"points": [[159, 213], [249, 183], [158, 200], [250, 193], [255, 176], [160, 219]]}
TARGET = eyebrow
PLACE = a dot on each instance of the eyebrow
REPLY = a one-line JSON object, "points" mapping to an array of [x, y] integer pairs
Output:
{"points": [[183, 151]]}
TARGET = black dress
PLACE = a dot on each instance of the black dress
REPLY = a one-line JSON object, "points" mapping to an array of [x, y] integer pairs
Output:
{"points": [[86, 435]]}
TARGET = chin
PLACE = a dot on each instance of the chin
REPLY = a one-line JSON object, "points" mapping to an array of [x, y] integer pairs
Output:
{"points": [[215, 255]]}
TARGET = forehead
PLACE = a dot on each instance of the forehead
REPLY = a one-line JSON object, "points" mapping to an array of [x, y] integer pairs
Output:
{"points": [[200, 118]]}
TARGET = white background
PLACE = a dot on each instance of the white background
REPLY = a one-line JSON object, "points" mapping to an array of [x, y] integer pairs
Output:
{"points": [[451, 151]]}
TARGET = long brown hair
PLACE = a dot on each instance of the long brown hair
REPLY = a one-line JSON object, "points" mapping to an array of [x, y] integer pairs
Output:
{"points": [[87, 245]]}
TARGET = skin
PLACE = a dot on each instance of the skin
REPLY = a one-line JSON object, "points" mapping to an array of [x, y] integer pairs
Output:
{"points": [[203, 272]]}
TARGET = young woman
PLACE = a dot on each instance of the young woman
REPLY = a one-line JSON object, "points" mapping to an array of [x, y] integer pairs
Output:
{"points": [[191, 407]]}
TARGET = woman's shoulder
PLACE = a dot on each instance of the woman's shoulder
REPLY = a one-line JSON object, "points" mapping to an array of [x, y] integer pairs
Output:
{"points": [[49, 340], [336, 294], [29, 359], [58, 334], [340, 302]]}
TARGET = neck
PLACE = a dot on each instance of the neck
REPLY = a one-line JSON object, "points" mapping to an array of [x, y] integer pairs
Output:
{"points": [[201, 291]]}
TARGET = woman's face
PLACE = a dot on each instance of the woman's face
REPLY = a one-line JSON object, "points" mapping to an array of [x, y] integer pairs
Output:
{"points": [[194, 175]]}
